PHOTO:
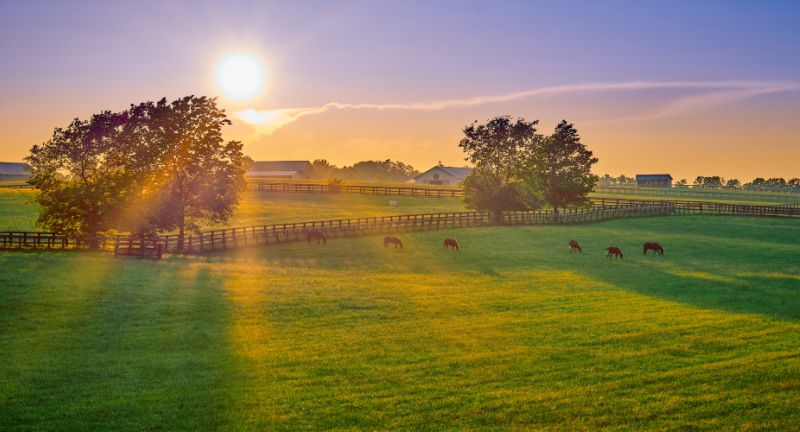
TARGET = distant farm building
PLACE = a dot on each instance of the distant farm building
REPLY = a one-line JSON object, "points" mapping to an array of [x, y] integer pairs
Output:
{"points": [[280, 169], [654, 180], [443, 175], [14, 171]]}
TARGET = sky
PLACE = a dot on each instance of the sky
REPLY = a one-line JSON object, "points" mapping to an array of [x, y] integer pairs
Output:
{"points": [[684, 87]]}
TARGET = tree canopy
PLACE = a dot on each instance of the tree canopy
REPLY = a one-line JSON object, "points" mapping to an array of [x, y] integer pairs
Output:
{"points": [[157, 166], [499, 150], [518, 169]]}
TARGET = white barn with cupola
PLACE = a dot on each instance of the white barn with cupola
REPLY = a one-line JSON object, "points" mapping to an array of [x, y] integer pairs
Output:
{"points": [[443, 176]]}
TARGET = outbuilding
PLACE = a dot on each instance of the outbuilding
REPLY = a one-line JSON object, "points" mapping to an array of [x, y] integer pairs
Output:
{"points": [[280, 169], [654, 180], [443, 175], [14, 171]]}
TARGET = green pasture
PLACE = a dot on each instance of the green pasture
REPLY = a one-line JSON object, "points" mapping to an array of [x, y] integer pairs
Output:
{"points": [[510, 333], [18, 212]]}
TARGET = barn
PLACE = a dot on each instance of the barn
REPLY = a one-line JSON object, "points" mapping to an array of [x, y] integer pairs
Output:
{"points": [[14, 171], [654, 180], [443, 175], [280, 169]]}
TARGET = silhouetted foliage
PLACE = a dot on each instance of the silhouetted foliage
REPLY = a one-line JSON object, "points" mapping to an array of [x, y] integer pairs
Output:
{"points": [[518, 169], [380, 171], [154, 167], [562, 167], [200, 175], [81, 176], [499, 150]]}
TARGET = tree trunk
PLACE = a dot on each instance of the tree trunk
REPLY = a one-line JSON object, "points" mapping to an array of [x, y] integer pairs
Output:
{"points": [[496, 217], [555, 214]]}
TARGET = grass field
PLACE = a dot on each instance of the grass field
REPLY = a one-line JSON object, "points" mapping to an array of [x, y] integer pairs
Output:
{"points": [[18, 212], [510, 333]]}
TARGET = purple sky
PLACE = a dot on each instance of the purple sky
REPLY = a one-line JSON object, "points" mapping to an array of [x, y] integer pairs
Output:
{"points": [[687, 87]]}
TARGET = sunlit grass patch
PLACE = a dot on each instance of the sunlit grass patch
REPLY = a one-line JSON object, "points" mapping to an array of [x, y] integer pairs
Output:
{"points": [[510, 333]]}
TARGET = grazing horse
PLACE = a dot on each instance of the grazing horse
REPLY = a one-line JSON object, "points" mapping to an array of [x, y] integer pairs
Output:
{"points": [[319, 236], [613, 251], [450, 243], [392, 240], [574, 246], [655, 247]]}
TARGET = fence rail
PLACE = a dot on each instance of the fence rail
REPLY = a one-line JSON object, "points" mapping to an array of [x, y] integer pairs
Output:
{"points": [[701, 193], [408, 191], [231, 238]]}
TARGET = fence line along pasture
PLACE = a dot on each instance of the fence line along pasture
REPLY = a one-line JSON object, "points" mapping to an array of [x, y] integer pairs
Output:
{"points": [[701, 193], [232, 238], [407, 191]]}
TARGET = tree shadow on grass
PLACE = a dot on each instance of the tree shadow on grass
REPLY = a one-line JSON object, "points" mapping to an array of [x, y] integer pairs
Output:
{"points": [[145, 350], [774, 297]]}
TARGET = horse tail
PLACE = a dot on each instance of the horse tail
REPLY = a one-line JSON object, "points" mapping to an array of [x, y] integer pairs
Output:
{"points": [[620, 253]]}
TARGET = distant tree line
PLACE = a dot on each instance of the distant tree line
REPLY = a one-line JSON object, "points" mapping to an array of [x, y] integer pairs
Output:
{"points": [[517, 168], [373, 171], [716, 182], [155, 167]]}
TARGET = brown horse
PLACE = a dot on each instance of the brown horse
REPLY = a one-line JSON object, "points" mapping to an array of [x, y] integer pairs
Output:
{"points": [[319, 236], [392, 240], [655, 247], [450, 243], [614, 251], [574, 246]]}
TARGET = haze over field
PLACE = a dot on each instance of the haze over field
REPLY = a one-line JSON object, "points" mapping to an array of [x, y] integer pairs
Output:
{"points": [[688, 88]]}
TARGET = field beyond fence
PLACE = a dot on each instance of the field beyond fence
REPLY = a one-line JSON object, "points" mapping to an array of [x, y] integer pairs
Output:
{"points": [[231, 238]]}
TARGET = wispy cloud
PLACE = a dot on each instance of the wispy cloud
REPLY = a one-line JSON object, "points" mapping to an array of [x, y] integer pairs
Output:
{"points": [[713, 93]]}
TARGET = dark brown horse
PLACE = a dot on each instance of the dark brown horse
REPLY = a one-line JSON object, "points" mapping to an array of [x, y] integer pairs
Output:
{"points": [[574, 246], [392, 240], [614, 251], [450, 243], [655, 247], [319, 236]]}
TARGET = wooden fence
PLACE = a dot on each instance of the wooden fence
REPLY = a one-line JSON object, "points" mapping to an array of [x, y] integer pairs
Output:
{"points": [[701, 193], [232, 238], [407, 191]]}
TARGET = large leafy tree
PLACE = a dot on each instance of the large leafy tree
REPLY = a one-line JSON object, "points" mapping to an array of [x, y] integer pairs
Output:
{"points": [[561, 167], [499, 149], [199, 176], [81, 176], [154, 167]]}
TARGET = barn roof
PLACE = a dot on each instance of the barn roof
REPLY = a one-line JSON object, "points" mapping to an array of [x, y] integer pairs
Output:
{"points": [[271, 173], [458, 172], [14, 168], [281, 166], [646, 177]]}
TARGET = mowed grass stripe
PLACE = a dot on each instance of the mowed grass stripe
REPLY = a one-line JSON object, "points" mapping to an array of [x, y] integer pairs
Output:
{"points": [[512, 333]]}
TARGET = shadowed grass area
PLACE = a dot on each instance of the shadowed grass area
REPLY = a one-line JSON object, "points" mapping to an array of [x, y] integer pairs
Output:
{"points": [[510, 333]]}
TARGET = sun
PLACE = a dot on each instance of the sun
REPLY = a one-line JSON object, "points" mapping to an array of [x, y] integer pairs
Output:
{"points": [[240, 76]]}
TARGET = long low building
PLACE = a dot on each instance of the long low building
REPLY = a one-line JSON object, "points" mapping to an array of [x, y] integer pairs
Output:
{"points": [[654, 180], [14, 171], [280, 169]]}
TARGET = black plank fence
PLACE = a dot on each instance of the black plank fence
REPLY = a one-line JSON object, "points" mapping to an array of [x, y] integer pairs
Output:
{"points": [[232, 238], [408, 191]]}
